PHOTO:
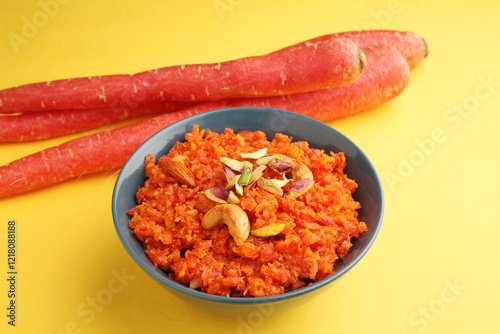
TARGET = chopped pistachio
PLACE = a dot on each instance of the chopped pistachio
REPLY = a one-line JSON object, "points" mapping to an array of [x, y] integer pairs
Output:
{"points": [[254, 155], [217, 194], [256, 174], [269, 230], [233, 198], [279, 165], [246, 164], [239, 188], [245, 176], [265, 160], [230, 174], [300, 187], [270, 186], [233, 181], [232, 163], [280, 183]]}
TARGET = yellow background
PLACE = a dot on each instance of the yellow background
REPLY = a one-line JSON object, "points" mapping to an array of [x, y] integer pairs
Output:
{"points": [[434, 267]]}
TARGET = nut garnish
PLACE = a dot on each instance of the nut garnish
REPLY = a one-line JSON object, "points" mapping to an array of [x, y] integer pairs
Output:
{"points": [[179, 171], [230, 174], [265, 160], [240, 175], [233, 181], [245, 176], [279, 165], [235, 165], [231, 215], [270, 186], [300, 187], [232, 198], [254, 155], [269, 230], [256, 174], [217, 194]]}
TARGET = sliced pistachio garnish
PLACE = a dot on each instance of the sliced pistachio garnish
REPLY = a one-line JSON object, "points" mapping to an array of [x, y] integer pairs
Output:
{"points": [[279, 165], [265, 160], [232, 198], [235, 165], [269, 230], [217, 194], [256, 174], [245, 176], [239, 188], [254, 155], [270, 186], [246, 164], [233, 181], [241, 175], [230, 174], [300, 187], [281, 183]]}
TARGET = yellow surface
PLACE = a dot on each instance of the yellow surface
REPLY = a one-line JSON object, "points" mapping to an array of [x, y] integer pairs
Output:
{"points": [[434, 267]]}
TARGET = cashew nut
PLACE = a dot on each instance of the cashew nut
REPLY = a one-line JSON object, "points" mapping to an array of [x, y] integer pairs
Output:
{"points": [[298, 172], [231, 215]]}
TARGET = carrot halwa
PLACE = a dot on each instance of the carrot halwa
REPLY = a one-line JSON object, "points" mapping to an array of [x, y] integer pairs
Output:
{"points": [[293, 240]]}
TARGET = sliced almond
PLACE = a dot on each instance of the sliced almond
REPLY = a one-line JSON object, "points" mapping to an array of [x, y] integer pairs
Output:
{"points": [[269, 230], [178, 170]]}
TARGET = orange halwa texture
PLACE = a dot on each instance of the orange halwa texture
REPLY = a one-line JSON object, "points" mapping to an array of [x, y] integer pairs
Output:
{"points": [[319, 224]]}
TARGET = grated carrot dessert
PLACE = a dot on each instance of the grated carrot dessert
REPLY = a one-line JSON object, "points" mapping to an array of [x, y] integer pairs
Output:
{"points": [[284, 213]]}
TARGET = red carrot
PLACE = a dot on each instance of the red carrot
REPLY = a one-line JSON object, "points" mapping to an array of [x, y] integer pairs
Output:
{"points": [[334, 62], [385, 76], [413, 47], [51, 124], [97, 152]]}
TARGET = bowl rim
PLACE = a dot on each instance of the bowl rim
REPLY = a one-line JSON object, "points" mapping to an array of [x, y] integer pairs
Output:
{"points": [[250, 300]]}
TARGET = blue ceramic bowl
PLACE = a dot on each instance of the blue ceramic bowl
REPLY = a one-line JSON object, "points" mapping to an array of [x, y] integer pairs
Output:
{"points": [[270, 121]]}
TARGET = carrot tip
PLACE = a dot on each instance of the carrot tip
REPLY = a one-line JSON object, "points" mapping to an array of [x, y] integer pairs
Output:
{"points": [[362, 60]]}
